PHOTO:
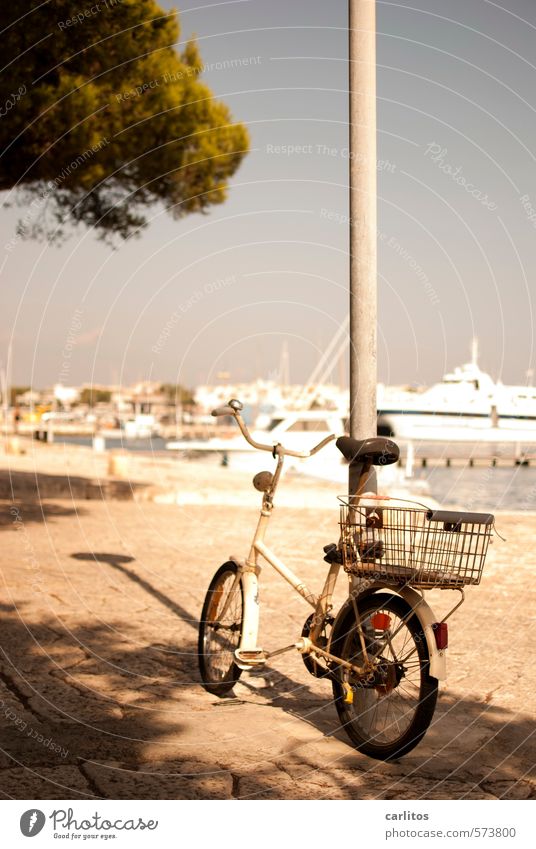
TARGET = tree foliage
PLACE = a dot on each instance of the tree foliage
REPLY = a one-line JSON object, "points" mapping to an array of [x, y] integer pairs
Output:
{"points": [[102, 117], [15, 392], [92, 396], [177, 394]]}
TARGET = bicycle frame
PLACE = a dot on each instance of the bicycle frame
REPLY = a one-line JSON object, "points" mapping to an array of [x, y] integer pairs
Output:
{"points": [[249, 572], [249, 654]]}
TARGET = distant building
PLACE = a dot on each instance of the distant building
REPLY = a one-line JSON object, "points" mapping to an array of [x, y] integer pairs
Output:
{"points": [[267, 395], [29, 398], [66, 395]]}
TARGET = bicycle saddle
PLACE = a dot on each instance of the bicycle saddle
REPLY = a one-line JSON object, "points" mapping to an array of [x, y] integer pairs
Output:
{"points": [[378, 450]]}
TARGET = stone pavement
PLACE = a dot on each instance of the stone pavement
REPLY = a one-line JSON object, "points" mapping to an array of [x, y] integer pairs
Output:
{"points": [[61, 470], [100, 693]]}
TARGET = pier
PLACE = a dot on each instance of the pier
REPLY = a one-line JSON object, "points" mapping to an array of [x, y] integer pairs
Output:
{"points": [[431, 453], [414, 453]]}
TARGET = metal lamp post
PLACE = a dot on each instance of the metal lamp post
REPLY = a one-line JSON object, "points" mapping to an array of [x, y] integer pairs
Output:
{"points": [[363, 218]]}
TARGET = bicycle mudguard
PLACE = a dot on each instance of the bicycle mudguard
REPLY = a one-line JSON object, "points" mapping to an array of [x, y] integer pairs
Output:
{"points": [[423, 612], [250, 624], [426, 616]]}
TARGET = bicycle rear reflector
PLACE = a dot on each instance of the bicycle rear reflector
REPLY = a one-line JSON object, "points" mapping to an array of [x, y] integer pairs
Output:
{"points": [[441, 634], [380, 621]]}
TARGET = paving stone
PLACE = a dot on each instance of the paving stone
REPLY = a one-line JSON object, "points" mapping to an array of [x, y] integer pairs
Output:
{"points": [[14, 716], [62, 782], [418, 788], [160, 781], [522, 789]]}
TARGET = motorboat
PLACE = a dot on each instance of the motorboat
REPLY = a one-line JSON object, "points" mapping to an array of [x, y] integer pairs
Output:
{"points": [[466, 405]]}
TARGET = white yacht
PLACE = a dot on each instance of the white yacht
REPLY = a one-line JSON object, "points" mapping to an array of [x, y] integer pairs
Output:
{"points": [[467, 405]]}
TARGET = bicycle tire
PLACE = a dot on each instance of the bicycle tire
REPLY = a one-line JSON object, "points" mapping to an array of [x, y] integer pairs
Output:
{"points": [[409, 691], [218, 669]]}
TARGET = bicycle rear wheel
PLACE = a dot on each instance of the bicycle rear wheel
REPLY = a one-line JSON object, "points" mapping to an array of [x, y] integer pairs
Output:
{"points": [[386, 712], [220, 630]]}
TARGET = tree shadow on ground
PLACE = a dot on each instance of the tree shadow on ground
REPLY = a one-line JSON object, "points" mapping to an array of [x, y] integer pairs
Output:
{"points": [[13, 514], [35, 486], [92, 698]]}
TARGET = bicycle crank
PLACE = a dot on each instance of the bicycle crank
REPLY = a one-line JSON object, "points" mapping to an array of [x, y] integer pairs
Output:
{"points": [[312, 663]]}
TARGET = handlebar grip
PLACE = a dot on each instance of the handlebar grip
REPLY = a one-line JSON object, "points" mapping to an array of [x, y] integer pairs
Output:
{"points": [[223, 411]]}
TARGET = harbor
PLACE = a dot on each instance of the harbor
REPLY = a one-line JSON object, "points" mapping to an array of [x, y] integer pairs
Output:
{"points": [[146, 471], [466, 419]]}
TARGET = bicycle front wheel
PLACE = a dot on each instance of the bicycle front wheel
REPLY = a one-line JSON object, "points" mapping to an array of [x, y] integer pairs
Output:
{"points": [[386, 711], [220, 630]]}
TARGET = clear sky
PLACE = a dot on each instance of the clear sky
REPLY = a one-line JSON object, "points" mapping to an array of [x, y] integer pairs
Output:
{"points": [[457, 210]]}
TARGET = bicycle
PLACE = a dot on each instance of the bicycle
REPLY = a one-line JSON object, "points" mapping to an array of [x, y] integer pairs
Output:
{"points": [[385, 650]]}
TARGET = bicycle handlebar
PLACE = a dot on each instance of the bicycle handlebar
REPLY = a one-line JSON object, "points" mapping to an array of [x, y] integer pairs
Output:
{"points": [[233, 409], [223, 411]]}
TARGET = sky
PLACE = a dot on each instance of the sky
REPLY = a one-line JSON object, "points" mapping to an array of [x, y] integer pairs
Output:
{"points": [[225, 292]]}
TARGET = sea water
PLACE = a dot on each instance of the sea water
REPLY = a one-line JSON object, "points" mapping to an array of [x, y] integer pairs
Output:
{"points": [[482, 488]]}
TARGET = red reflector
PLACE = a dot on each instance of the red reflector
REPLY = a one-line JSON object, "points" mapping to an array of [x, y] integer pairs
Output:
{"points": [[380, 621], [441, 634]]}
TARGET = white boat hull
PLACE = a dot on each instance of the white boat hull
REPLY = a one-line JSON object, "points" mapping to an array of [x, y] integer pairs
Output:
{"points": [[457, 428]]}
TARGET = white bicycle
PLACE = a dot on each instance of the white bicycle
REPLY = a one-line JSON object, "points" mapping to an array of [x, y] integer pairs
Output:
{"points": [[385, 650]]}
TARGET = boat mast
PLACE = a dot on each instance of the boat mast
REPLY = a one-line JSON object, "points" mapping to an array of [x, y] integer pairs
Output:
{"points": [[474, 351], [284, 367]]}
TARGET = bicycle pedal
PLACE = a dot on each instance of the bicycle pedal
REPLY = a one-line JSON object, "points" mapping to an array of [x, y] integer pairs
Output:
{"points": [[348, 695], [246, 659]]}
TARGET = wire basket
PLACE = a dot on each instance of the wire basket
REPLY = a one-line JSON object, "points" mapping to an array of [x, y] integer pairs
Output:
{"points": [[413, 545]]}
